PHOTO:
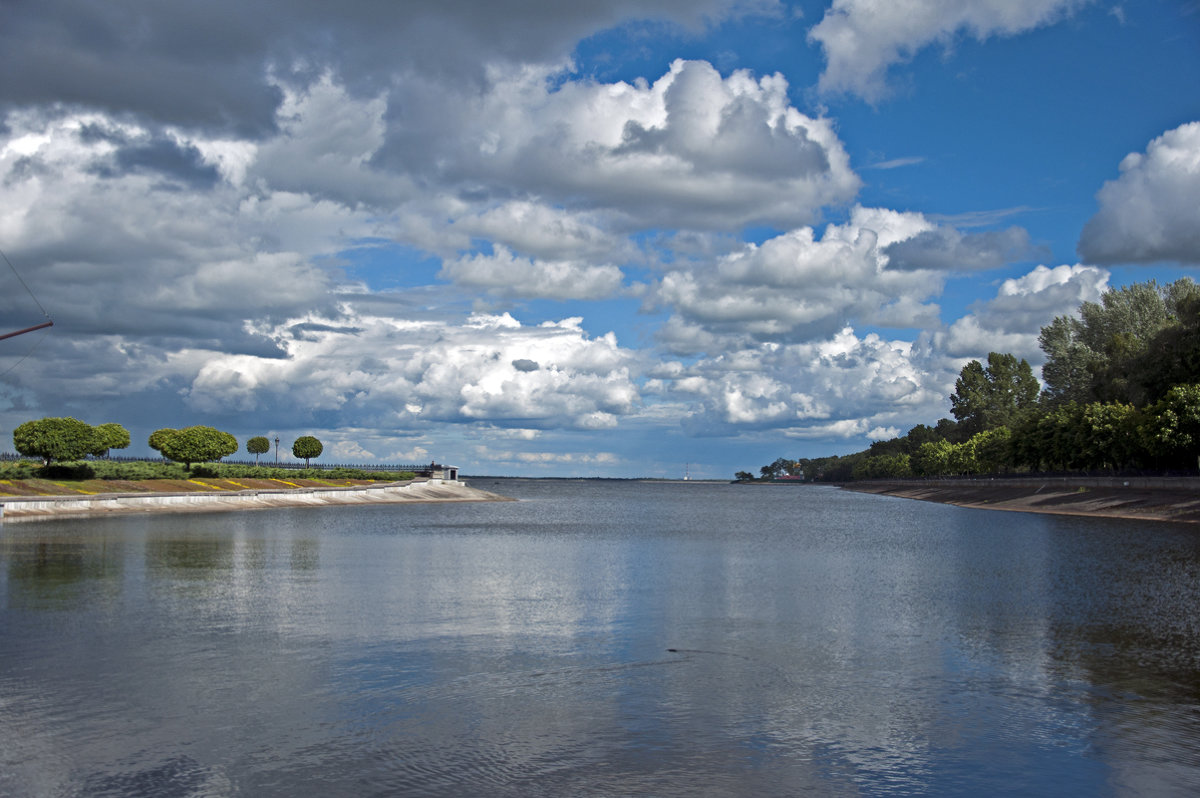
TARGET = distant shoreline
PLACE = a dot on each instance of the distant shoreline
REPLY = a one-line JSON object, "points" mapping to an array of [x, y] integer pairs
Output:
{"points": [[1136, 498], [33, 508]]}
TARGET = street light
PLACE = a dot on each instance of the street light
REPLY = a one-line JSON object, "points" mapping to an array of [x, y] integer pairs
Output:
{"points": [[276, 450]]}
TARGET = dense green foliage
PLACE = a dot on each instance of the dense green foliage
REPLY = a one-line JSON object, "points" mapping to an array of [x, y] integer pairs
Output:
{"points": [[1122, 392], [142, 470], [307, 446], [66, 439], [196, 444], [113, 436], [992, 396], [1131, 347], [159, 437], [258, 445]]}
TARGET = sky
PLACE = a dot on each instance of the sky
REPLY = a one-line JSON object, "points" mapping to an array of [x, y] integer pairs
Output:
{"points": [[614, 238]]}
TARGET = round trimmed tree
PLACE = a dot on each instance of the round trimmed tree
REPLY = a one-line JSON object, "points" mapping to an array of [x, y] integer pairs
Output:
{"points": [[112, 436], [307, 446], [61, 439], [258, 445], [159, 437], [195, 445]]}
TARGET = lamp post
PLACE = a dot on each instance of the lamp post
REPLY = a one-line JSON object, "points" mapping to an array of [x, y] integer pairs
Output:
{"points": [[276, 450]]}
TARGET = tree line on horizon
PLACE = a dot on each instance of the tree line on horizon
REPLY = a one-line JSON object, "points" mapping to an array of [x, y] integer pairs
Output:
{"points": [[69, 439], [1120, 393]]}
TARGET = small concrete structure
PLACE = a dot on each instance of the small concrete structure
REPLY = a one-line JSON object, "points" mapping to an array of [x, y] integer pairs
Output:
{"points": [[448, 473]]}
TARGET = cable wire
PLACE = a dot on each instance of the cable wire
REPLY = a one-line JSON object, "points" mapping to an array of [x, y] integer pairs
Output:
{"points": [[32, 296], [23, 285]]}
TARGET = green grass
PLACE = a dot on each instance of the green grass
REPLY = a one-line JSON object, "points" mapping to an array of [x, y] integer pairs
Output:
{"points": [[143, 470]]}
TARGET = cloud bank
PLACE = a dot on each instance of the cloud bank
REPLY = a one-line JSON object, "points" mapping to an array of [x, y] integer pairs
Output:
{"points": [[423, 229]]}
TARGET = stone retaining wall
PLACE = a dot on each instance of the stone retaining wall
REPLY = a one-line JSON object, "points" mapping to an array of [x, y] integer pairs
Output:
{"points": [[22, 507], [1147, 483]]}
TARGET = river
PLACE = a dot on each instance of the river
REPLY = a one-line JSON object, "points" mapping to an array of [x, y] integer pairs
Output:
{"points": [[601, 638]]}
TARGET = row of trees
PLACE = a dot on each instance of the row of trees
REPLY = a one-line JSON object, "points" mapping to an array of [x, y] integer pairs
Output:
{"points": [[1121, 391], [67, 439]]}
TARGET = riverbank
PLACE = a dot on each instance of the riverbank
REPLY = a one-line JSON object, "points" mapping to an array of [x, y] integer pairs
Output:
{"points": [[76, 506], [1144, 499]]}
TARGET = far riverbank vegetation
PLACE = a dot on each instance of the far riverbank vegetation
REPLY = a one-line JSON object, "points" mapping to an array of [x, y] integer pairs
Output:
{"points": [[1120, 394]]}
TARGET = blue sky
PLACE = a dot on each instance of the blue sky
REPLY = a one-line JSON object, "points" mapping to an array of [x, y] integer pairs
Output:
{"points": [[605, 239]]}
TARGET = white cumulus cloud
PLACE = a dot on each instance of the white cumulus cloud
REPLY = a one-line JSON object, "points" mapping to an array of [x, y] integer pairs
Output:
{"points": [[797, 286], [1010, 322], [404, 374], [1152, 211], [506, 274], [863, 38]]}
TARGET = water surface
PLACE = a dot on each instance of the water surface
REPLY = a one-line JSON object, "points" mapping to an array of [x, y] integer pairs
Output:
{"points": [[601, 638]]}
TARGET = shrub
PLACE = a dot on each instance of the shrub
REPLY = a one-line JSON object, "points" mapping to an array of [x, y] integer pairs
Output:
{"points": [[19, 469], [73, 472]]}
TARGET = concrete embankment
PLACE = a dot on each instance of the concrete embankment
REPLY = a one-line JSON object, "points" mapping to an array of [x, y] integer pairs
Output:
{"points": [[432, 490], [1141, 498]]}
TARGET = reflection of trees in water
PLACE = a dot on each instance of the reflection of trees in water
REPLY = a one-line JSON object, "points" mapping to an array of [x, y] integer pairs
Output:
{"points": [[1130, 616], [306, 554], [63, 574], [198, 558], [1123, 659], [259, 554], [215, 558]]}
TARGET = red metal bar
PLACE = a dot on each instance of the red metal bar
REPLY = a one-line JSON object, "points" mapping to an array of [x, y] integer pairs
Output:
{"points": [[41, 326]]}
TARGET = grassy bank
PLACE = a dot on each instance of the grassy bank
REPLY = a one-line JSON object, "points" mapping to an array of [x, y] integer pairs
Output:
{"points": [[95, 477]]}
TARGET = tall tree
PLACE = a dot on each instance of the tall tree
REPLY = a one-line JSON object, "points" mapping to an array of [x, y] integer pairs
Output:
{"points": [[1173, 355], [1069, 361], [992, 396], [1104, 354]]}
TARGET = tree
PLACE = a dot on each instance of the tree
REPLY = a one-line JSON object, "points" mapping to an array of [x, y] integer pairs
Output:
{"points": [[1069, 361], [159, 437], [921, 434], [1171, 428], [1111, 439], [112, 436], [307, 446], [1173, 355], [743, 476], [883, 466], [949, 430], [197, 444], [258, 445], [781, 467], [990, 397], [1105, 353], [962, 458], [993, 450], [57, 439], [932, 458]]}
